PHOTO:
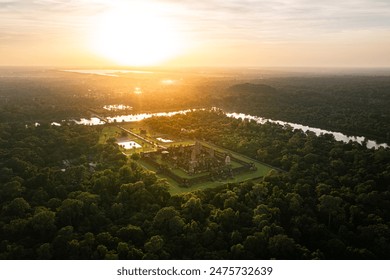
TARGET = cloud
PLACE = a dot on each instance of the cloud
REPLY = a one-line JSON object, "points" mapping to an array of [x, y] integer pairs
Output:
{"points": [[281, 19], [209, 23], [250, 19], [45, 19]]}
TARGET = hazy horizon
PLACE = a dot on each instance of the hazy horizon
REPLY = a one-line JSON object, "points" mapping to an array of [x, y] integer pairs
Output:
{"points": [[206, 70]]}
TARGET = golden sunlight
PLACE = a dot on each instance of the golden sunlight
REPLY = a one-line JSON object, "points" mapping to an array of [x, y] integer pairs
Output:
{"points": [[136, 35]]}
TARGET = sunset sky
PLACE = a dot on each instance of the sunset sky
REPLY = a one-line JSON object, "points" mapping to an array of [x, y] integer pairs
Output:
{"points": [[248, 33]]}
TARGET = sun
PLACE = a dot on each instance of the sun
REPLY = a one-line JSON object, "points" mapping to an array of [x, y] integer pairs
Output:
{"points": [[136, 35]]}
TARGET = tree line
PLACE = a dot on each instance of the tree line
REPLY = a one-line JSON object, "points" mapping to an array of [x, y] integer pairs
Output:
{"points": [[64, 196], [354, 105]]}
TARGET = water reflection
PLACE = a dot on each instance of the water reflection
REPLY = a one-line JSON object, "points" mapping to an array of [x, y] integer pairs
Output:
{"points": [[91, 121], [129, 145], [137, 90], [117, 107], [337, 135]]}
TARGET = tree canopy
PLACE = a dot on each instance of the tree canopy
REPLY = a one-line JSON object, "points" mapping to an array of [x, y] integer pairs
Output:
{"points": [[329, 200]]}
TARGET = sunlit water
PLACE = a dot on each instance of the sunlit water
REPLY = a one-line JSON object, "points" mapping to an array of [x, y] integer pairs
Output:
{"points": [[164, 140], [337, 135], [129, 145], [117, 107], [139, 117], [91, 121]]}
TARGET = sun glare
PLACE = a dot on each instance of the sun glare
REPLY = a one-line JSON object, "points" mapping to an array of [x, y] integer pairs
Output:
{"points": [[136, 35]]}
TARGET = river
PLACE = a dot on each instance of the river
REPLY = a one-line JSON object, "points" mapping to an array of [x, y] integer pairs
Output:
{"points": [[337, 135], [318, 131]]}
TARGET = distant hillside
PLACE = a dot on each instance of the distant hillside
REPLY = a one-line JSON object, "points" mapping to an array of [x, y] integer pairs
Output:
{"points": [[354, 105], [243, 96], [248, 88]]}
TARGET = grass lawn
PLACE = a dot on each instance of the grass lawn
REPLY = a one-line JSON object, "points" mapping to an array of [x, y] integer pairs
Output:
{"points": [[174, 187], [110, 131], [252, 175]]}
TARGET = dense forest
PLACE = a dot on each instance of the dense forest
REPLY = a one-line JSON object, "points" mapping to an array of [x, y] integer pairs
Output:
{"points": [[354, 105], [52, 95], [64, 196]]}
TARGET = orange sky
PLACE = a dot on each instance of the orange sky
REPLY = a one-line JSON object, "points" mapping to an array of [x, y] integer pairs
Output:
{"points": [[251, 33]]}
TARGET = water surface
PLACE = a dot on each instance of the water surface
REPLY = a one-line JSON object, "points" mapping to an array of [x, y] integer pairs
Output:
{"points": [[318, 131]]}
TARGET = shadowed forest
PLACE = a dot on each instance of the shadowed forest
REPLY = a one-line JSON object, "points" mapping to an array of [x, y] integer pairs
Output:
{"points": [[65, 195]]}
